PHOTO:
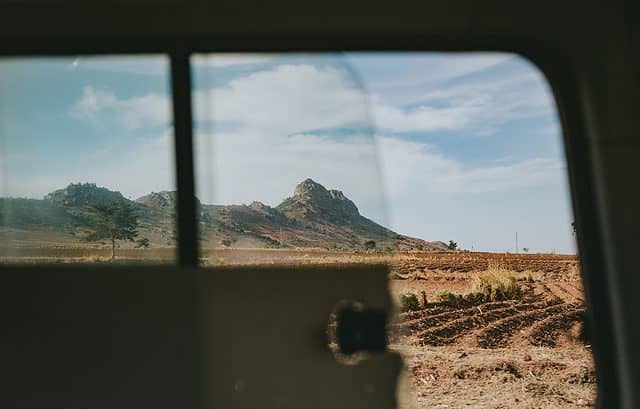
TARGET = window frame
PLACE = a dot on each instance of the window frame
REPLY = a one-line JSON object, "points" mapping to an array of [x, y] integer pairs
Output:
{"points": [[558, 68]]}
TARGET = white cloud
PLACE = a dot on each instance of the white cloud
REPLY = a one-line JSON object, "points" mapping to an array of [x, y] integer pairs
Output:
{"points": [[477, 107], [423, 118], [103, 108], [285, 100], [294, 98], [405, 74], [415, 167]]}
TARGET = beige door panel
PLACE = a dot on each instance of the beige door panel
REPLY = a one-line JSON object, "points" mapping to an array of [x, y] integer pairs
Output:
{"points": [[90, 337]]}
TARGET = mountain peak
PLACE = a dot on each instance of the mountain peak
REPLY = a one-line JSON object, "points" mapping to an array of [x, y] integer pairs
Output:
{"points": [[77, 194], [162, 199], [310, 198], [309, 187]]}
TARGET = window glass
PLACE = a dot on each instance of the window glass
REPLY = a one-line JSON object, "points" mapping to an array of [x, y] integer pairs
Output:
{"points": [[450, 167], [86, 153], [287, 166]]}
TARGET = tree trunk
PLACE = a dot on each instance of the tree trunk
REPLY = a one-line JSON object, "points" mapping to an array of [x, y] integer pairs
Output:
{"points": [[113, 248]]}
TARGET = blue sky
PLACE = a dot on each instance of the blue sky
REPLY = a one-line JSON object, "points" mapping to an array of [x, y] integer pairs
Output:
{"points": [[440, 146]]}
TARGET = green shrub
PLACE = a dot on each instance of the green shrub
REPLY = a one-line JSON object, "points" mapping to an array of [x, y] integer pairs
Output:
{"points": [[142, 242], [451, 299], [409, 302]]}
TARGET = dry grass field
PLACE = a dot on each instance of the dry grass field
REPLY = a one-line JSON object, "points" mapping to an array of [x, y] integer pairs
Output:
{"points": [[477, 330]]}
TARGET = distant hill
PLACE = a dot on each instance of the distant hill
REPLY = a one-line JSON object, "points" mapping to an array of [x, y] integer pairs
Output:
{"points": [[83, 194], [312, 217]]}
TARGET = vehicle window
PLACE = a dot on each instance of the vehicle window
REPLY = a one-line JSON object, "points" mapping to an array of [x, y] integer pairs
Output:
{"points": [[449, 167], [86, 153], [287, 165]]}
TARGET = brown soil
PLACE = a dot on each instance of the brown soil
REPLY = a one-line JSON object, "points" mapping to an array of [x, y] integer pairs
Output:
{"points": [[526, 353]]}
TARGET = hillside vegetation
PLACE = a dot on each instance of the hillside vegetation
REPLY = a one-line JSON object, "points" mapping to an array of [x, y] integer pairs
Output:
{"points": [[313, 217]]}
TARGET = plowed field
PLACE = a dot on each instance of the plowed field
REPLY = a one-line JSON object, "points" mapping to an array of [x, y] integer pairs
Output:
{"points": [[528, 352]]}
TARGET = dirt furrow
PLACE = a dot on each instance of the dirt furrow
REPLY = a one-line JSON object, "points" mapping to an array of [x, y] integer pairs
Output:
{"points": [[568, 295], [546, 332], [432, 310], [499, 333], [448, 333], [430, 320], [577, 293], [551, 292]]}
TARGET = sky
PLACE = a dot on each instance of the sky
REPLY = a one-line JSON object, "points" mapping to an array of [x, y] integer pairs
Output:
{"points": [[442, 146]]}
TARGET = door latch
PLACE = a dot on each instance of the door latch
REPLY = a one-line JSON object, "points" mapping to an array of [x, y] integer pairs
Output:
{"points": [[361, 329]]}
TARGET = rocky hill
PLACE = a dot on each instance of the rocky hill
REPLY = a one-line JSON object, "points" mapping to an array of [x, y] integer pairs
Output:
{"points": [[313, 217]]}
